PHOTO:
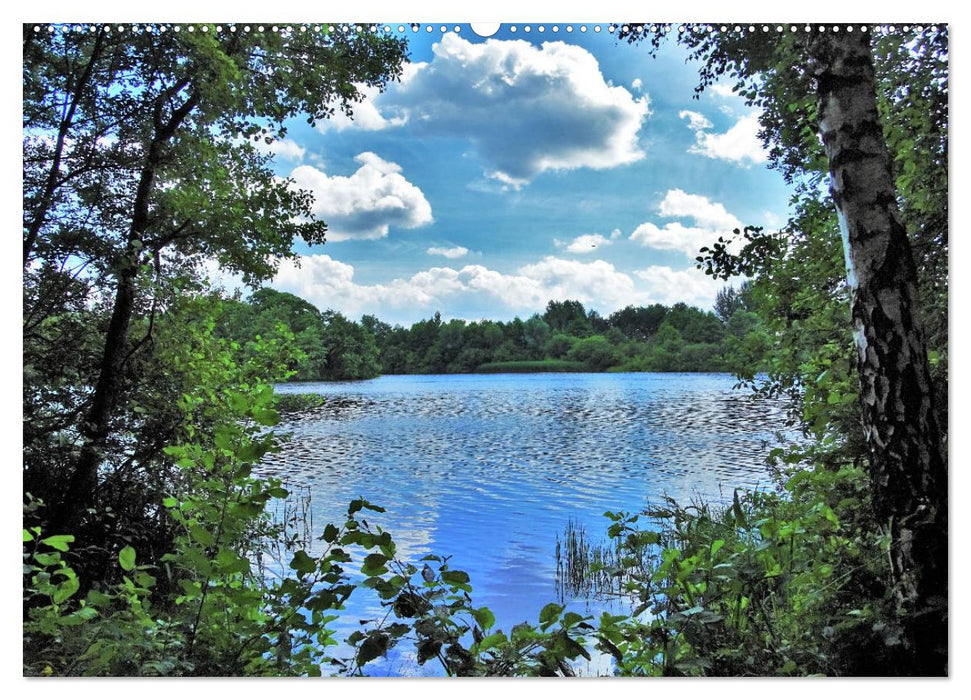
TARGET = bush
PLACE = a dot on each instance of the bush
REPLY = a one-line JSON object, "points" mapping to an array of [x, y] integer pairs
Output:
{"points": [[787, 583]]}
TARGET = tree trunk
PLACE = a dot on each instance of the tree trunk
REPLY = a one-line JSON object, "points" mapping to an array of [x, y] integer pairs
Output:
{"points": [[82, 486], [908, 468]]}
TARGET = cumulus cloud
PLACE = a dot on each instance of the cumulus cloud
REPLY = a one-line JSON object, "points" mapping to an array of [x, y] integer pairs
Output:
{"points": [[596, 282], [722, 90], [285, 149], [451, 253], [695, 119], [367, 203], [706, 213], [365, 114], [587, 243], [665, 285], [740, 144], [329, 283], [637, 84], [673, 236], [710, 220], [527, 109]]}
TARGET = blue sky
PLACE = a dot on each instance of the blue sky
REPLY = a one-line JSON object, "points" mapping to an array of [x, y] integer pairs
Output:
{"points": [[504, 172]]}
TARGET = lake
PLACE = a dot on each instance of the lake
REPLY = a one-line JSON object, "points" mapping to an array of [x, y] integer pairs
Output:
{"points": [[492, 468]]}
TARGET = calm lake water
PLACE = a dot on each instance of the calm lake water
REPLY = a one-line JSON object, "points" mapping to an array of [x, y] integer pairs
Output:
{"points": [[491, 468]]}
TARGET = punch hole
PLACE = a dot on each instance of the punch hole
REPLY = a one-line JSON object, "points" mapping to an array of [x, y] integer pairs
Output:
{"points": [[485, 29]]}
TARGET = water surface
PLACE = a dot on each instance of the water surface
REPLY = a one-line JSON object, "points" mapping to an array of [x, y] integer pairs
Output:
{"points": [[491, 468]]}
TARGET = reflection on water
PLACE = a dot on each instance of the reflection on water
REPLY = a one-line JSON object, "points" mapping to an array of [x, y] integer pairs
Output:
{"points": [[491, 468]]}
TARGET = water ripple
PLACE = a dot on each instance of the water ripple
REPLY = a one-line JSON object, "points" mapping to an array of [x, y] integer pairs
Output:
{"points": [[490, 468]]}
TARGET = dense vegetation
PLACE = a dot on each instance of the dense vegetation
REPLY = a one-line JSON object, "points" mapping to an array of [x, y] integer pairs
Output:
{"points": [[147, 399], [565, 338]]}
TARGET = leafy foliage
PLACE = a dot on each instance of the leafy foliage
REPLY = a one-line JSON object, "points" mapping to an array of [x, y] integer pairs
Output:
{"points": [[655, 338], [783, 583]]}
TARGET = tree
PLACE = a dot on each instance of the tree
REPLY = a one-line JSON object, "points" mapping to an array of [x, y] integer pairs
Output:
{"points": [[140, 165], [907, 463], [729, 300], [596, 352], [536, 333], [640, 322], [559, 315], [665, 349], [823, 80], [349, 349]]}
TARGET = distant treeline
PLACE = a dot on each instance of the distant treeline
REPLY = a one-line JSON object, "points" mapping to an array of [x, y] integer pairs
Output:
{"points": [[565, 337]]}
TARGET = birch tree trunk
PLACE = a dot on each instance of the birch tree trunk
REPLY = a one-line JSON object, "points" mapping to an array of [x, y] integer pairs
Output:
{"points": [[908, 468]]}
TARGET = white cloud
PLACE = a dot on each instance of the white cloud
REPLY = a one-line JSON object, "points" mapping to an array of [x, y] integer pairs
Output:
{"points": [[285, 149], [587, 243], [722, 90], [695, 120], [674, 236], [597, 282], [330, 284], [527, 109], [364, 114], [367, 203], [772, 220], [706, 213], [665, 285], [710, 220], [451, 253], [740, 144], [637, 84]]}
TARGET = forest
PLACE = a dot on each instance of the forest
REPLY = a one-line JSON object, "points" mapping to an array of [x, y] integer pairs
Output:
{"points": [[148, 397], [565, 337]]}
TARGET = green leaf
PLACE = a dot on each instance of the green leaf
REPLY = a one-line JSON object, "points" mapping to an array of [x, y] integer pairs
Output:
{"points": [[28, 537], [277, 492], [266, 416], [201, 535], [571, 618], [223, 438], [302, 563], [126, 557], [492, 640], [330, 533], [484, 617], [372, 647], [66, 589], [58, 542], [47, 559], [608, 646], [144, 580], [575, 649], [549, 614], [374, 564], [455, 578]]}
